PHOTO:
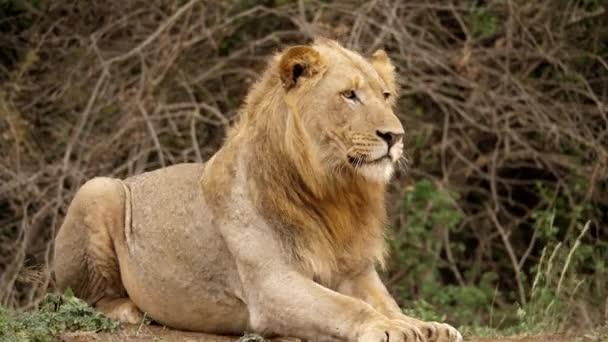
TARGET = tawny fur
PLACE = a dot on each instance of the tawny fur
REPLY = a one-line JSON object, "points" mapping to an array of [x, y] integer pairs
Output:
{"points": [[279, 232]]}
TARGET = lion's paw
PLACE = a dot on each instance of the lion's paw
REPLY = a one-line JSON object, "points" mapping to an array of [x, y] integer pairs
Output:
{"points": [[440, 332], [390, 331]]}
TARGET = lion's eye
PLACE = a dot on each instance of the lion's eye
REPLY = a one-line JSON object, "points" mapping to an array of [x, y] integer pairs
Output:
{"points": [[350, 95], [387, 95]]}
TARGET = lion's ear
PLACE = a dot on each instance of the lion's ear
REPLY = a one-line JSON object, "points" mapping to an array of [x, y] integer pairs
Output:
{"points": [[299, 62], [384, 67]]}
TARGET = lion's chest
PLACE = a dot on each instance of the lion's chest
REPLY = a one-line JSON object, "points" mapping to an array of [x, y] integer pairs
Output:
{"points": [[340, 247]]}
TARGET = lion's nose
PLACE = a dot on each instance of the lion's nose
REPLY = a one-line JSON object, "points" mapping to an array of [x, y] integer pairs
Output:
{"points": [[390, 137]]}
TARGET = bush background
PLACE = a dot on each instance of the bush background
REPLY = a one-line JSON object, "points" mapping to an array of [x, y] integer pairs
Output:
{"points": [[501, 218]]}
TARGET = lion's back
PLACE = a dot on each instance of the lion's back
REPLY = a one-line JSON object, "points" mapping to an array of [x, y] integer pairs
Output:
{"points": [[161, 206]]}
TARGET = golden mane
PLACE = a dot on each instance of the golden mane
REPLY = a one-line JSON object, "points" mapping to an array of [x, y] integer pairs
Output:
{"points": [[327, 221]]}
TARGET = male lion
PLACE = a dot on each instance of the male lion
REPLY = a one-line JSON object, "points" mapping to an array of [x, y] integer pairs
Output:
{"points": [[278, 233]]}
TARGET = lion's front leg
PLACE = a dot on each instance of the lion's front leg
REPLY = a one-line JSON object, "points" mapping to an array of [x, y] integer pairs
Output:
{"points": [[368, 287], [281, 301]]}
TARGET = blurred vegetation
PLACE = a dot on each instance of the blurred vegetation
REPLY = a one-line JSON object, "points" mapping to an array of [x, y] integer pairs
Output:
{"points": [[501, 221]]}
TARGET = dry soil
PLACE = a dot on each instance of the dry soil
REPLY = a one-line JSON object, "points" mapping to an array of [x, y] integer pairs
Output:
{"points": [[135, 333]]}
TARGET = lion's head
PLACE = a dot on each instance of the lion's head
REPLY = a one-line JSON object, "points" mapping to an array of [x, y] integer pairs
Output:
{"points": [[344, 103], [313, 147]]}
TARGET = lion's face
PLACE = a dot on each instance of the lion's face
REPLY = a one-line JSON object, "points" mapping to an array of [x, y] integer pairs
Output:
{"points": [[347, 111]]}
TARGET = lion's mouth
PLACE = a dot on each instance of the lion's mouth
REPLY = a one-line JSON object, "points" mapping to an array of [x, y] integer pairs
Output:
{"points": [[361, 161]]}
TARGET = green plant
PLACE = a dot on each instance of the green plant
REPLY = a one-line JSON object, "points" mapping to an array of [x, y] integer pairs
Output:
{"points": [[56, 314], [417, 247], [557, 281], [423, 310], [482, 22], [572, 265]]}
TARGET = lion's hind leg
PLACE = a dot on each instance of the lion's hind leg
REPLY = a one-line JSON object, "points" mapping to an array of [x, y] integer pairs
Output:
{"points": [[85, 249], [120, 309]]}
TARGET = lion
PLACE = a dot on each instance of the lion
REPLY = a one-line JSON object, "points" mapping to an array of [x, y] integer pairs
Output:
{"points": [[280, 232]]}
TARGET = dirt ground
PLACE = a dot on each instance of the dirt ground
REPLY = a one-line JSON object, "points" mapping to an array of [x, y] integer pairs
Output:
{"points": [[135, 333]]}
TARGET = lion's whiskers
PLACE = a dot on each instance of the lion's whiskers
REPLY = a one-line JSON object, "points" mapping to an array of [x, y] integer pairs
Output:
{"points": [[403, 162]]}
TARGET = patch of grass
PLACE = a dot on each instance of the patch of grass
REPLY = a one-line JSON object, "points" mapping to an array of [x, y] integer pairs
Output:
{"points": [[57, 314], [481, 332], [423, 310]]}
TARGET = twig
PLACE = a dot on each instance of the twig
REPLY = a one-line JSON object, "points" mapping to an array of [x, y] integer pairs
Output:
{"points": [[505, 239], [151, 38]]}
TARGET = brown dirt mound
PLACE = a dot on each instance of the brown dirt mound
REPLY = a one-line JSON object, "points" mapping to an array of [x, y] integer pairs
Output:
{"points": [[145, 333], [135, 333]]}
